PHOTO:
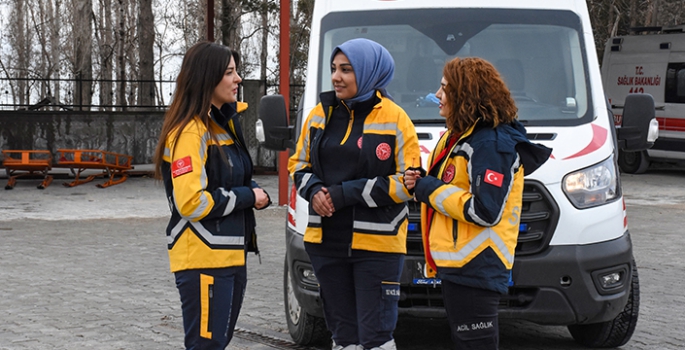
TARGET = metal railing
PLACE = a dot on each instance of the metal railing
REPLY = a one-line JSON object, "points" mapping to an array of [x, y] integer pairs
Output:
{"points": [[38, 94]]}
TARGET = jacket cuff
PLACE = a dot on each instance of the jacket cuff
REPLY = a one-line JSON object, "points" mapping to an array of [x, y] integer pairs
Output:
{"points": [[425, 186], [337, 196], [246, 193]]}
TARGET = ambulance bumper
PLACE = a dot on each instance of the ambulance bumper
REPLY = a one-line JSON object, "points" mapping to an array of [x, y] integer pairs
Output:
{"points": [[563, 285]]}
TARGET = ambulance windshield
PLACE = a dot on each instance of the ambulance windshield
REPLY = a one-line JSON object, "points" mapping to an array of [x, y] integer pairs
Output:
{"points": [[538, 52]]}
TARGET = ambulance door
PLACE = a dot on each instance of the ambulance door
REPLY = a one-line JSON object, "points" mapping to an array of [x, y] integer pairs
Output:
{"points": [[672, 117]]}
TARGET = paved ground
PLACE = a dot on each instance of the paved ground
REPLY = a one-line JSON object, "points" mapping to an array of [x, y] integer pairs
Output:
{"points": [[86, 268]]}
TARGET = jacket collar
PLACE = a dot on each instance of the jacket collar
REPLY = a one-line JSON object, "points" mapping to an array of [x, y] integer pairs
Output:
{"points": [[227, 112], [328, 99]]}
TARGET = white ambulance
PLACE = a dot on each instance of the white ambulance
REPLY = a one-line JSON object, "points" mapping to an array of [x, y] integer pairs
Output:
{"points": [[574, 263], [650, 62]]}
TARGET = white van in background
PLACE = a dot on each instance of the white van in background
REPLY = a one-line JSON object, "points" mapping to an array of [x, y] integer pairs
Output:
{"points": [[649, 63], [574, 263]]}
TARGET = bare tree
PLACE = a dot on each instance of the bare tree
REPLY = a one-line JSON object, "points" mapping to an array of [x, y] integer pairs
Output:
{"points": [[230, 16], [83, 52], [632, 10], [38, 15], [131, 52], [623, 17], [146, 41], [20, 44], [263, 56], [104, 36], [300, 27], [55, 48], [120, 62]]}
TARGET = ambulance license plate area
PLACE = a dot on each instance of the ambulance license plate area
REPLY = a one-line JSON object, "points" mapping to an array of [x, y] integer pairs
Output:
{"points": [[419, 275]]}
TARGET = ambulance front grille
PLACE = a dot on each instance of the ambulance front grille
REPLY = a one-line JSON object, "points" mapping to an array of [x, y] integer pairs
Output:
{"points": [[539, 217]]}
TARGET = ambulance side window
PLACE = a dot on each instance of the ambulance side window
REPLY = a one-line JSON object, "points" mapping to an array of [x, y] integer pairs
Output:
{"points": [[675, 83]]}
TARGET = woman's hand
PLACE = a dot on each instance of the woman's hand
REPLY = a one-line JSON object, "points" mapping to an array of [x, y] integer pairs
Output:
{"points": [[410, 177], [322, 203], [261, 199]]}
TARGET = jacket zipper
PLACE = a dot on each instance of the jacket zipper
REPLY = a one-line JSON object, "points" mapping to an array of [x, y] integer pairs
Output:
{"points": [[455, 230], [349, 126]]}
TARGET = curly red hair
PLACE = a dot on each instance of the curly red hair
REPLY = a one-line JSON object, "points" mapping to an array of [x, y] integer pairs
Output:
{"points": [[476, 90]]}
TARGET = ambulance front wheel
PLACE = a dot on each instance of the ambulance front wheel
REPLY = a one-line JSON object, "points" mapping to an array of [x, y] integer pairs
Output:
{"points": [[304, 328], [633, 162], [614, 333]]}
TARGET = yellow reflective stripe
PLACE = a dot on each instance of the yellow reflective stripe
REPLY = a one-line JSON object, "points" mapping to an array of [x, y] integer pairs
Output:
{"points": [[479, 243], [205, 297], [397, 191], [299, 161]]}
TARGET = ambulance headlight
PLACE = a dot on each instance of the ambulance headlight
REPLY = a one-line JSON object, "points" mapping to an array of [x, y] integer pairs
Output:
{"points": [[592, 186]]}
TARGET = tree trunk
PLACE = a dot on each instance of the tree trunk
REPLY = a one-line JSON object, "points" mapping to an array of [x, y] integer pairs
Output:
{"points": [[146, 41], [230, 24], [131, 53], [633, 13], [120, 61], [39, 16], [263, 55], [201, 21], [83, 53], [55, 49], [610, 19], [655, 13], [106, 55], [21, 46]]}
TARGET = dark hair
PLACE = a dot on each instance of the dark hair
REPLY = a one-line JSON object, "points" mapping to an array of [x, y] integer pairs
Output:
{"points": [[203, 67], [476, 90]]}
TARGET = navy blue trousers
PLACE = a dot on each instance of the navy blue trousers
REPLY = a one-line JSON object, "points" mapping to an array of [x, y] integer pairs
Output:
{"points": [[211, 300], [472, 314], [360, 296]]}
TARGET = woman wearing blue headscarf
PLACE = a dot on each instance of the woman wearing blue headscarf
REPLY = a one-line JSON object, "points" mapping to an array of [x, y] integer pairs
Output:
{"points": [[349, 163]]}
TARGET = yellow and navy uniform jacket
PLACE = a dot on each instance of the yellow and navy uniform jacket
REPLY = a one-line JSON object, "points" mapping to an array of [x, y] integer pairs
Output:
{"points": [[210, 194], [476, 195], [376, 194]]}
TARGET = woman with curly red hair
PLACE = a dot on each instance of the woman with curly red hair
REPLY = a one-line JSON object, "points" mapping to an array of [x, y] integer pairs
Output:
{"points": [[472, 195]]}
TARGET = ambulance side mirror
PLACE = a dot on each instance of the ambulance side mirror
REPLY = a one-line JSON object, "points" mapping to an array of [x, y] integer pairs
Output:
{"points": [[639, 128], [272, 128]]}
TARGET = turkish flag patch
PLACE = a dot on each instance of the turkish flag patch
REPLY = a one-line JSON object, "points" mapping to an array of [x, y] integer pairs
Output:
{"points": [[494, 178], [181, 166]]}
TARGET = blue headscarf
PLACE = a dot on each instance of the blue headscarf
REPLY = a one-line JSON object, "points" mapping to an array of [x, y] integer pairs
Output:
{"points": [[373, 66]]}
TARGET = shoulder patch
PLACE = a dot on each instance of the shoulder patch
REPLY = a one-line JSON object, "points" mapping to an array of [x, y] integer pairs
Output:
{"points": [[494, 178], [448, 175], [383, 151], [181, 166]]}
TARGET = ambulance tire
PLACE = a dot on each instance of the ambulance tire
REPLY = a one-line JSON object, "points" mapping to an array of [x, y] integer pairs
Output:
{"points": [[616, 332], [633, 162], [304, 329]]}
